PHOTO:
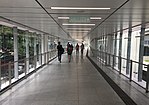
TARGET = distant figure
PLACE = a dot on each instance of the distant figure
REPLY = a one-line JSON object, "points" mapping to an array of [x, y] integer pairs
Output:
{"points": [[82, 48], [77, 48], [69, 51], [60, 51]]}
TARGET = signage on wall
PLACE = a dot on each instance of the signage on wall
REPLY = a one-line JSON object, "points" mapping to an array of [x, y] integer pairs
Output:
{"points": [[79, 19]]}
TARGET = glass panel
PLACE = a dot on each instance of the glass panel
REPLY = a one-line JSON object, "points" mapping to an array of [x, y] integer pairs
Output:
{"points": [[6, 54], [31, 52], [21, 53]]}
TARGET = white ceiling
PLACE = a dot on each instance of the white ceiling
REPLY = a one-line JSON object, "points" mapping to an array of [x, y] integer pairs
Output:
{"points": [[30, 13]]}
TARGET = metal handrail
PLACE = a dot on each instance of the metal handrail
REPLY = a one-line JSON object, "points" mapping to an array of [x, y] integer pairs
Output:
{"points": [[9, 64], [112, 57]]}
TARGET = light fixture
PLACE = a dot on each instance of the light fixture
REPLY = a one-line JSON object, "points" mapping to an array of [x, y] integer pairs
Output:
{"points": [[78, 28], [65, 24], [78, 31], [63, 17], [92, 18], [80, 8], [95, 18]]}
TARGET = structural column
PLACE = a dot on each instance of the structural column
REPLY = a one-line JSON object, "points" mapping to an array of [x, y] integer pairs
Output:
{"points": [[141, 51], [128, 51], [15, 37], [35, 50], [115, 44], [42, 48], [120, 48], [96, 42], [115, 48], [105, 50], [27, 50], [46, 47], [39, 47], [109, 44]]}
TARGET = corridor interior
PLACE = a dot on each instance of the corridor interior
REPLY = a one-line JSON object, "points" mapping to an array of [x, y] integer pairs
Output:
{"points": [[74, 83]]}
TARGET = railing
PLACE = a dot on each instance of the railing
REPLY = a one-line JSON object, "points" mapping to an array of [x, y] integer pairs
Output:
{"points": [[126, 67], [25, 67]]}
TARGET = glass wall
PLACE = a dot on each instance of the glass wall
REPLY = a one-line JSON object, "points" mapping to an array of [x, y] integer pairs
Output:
{"points": [[120, 61], [29, 47], [6, 54]]}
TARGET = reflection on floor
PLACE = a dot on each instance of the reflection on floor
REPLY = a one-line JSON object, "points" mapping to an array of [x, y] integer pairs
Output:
{"points": [[74, 83]]}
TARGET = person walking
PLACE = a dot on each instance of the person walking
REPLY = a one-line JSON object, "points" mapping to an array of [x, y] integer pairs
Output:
{"points": [[82, 48], [60, 51], [77, 48], [69, 51]]}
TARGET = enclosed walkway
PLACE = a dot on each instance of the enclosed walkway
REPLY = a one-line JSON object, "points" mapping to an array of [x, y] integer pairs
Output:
{"points": [[74, 83]]}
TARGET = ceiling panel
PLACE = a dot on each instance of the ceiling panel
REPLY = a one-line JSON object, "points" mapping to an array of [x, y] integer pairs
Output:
{"points": [[30, 13]]}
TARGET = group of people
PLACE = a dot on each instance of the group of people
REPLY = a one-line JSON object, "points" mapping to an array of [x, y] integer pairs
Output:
{"points": [[69, 50], [77, 48]]}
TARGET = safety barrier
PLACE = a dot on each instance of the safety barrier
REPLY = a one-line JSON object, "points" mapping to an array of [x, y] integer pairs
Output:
{"points": [[26, 66], [126, 67]]}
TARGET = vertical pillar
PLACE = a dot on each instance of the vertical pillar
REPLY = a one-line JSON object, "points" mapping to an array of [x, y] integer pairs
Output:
{"points": [[0, 75], [46, 47], [105, 50], [115, 44], [128, 51], [15, 37], [35, 51], [39, 37], [141, 51], [96, 52], [96, 40], [27, 50], [42, 48], [115, 49], [120, 49], [109, 44], [120, 44]]}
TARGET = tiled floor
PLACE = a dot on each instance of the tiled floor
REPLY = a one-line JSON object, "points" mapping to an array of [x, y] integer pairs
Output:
{"points": [[74, 83], [135, 92]]}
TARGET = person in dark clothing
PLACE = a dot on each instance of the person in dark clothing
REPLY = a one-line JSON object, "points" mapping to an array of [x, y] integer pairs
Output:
{"points": [[82, 48], [69, 51], [60, 51], [77, 48]]}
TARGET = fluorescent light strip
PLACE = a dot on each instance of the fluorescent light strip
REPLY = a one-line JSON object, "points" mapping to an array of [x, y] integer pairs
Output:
{"points": [[78, 31], [78, 24], [63, 17], [81, 8], [94, 18], [78, 28]]}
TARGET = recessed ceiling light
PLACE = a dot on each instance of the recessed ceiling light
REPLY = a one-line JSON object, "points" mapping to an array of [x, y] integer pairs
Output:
{"points": [[78, 28], [78, 31], [94, 18], [65, 24], [63, 17], [80, 8]]}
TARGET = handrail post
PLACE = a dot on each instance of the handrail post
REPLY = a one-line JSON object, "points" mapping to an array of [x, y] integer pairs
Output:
{"points": [[35, 62], [147, 78], [50, 54], [25, 66], [119, 64], [9, 72], [41, 58], [45, 58], [109, 60], [113, 62], [105, 58], [130, 79], [0, 74]]}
